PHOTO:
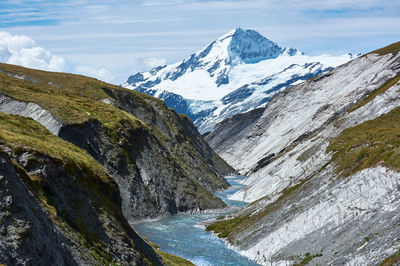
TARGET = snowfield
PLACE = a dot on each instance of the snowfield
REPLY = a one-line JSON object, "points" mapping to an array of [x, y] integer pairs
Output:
{"points": [[238, 72]]}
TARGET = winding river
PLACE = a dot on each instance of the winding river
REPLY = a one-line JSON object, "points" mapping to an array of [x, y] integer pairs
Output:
{"points": [[181, 235]]}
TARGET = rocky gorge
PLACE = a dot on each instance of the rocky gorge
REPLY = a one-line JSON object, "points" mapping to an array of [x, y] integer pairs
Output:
{"points": [[81, 159]]}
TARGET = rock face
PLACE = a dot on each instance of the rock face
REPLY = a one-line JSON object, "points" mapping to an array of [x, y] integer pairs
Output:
{"points": [[58, 208], [238, 72], [322, 168], [159, 160], [32, 110], [81, 159]]}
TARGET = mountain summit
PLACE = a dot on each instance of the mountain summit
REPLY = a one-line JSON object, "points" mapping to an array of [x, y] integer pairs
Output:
{"points": [[239, 46], [246, 46], [236, 47], [237, 72]]}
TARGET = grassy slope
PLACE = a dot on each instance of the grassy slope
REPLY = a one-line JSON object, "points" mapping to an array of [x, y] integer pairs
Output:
{"points": [[72, 99], [393, 48], [369, 144], [76, 99], [26, 135], [366, 145], [170, 259]]}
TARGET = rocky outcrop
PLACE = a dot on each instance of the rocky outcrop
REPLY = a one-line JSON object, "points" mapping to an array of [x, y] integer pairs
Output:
{"points": [[159, 160], [237, 126], [59, 208], [32, 110], [27, 232], [323, 172], [301, 111], [238, 72], [150, 183]]}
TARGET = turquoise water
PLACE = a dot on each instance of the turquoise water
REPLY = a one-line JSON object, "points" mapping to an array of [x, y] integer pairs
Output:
{"points": [[180, 236]]}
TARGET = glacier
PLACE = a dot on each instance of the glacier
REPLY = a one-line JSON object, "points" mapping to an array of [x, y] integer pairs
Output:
{"points": [[236, 73]]}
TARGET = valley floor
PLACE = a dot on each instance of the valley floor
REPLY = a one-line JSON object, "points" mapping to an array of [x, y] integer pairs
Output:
{"points": [[182, 235]]}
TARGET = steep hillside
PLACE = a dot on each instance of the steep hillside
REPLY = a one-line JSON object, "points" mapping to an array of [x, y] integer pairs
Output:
{"points": [[323, 166], [238, 72], [158, 159], [59, 206]]}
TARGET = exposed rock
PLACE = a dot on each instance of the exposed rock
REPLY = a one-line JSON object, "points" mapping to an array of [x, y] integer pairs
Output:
{"points": [[159, 160], [49, 216], [32, 110], [238, 72], [306, 205]]}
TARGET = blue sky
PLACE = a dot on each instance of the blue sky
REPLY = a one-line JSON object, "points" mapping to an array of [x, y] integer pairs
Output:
{"points": [[113, 39]]}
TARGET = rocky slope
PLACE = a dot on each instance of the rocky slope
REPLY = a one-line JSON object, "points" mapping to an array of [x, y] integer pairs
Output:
{"points": [[238, 72], [58, 206], [323, 165], [158, 159]]}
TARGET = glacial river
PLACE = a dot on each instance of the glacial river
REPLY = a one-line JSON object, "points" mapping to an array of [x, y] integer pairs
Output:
{"points": [[180, 235]]}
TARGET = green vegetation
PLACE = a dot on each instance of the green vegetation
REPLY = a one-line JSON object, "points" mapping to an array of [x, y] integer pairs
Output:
{"points": [[307, 259], [76, 99], [26, 135], [170, 259], [23, 134], [71, 98], [225, 227], [391, 260], [231, 226], [393, 48], [388, 84], [368, 144]]}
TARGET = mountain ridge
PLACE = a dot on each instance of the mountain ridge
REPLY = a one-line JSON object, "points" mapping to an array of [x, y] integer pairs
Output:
{"points": [[238, 72], [322, 168], [92, 159]]}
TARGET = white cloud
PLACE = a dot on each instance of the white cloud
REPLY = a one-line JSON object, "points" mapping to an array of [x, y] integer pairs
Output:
{"points": [[101, 73], [22, 50], [152, 62]]}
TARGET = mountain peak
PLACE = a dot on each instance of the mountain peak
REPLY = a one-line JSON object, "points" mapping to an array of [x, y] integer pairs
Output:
{"points": [[243, 45], [235, 32]]}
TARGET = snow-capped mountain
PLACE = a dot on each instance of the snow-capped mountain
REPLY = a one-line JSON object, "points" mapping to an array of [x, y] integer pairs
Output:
{"points": [[236, 73], [322, 165]]}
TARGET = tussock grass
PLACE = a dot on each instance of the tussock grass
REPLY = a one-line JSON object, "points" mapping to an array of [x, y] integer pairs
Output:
{"points": [[227, 228], [374, 142], [70, 98], [391, 260], [25, 134], [393, 48], [170, 259], [387, 85]]}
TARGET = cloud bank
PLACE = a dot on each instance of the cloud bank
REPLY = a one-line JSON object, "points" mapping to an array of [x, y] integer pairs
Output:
{"points": [[124, 37], [22, 50]]}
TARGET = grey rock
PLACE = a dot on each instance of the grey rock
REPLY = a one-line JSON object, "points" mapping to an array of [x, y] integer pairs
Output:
{"points": [[32, 110]]}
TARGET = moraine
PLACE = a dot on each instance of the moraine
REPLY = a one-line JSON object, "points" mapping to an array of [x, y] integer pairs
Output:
{"points": [[182, 235]]}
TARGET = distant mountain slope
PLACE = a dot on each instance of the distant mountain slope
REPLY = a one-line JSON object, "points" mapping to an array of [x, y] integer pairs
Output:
{"points": [[238, 72], [323, 165], [157, 157]]}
